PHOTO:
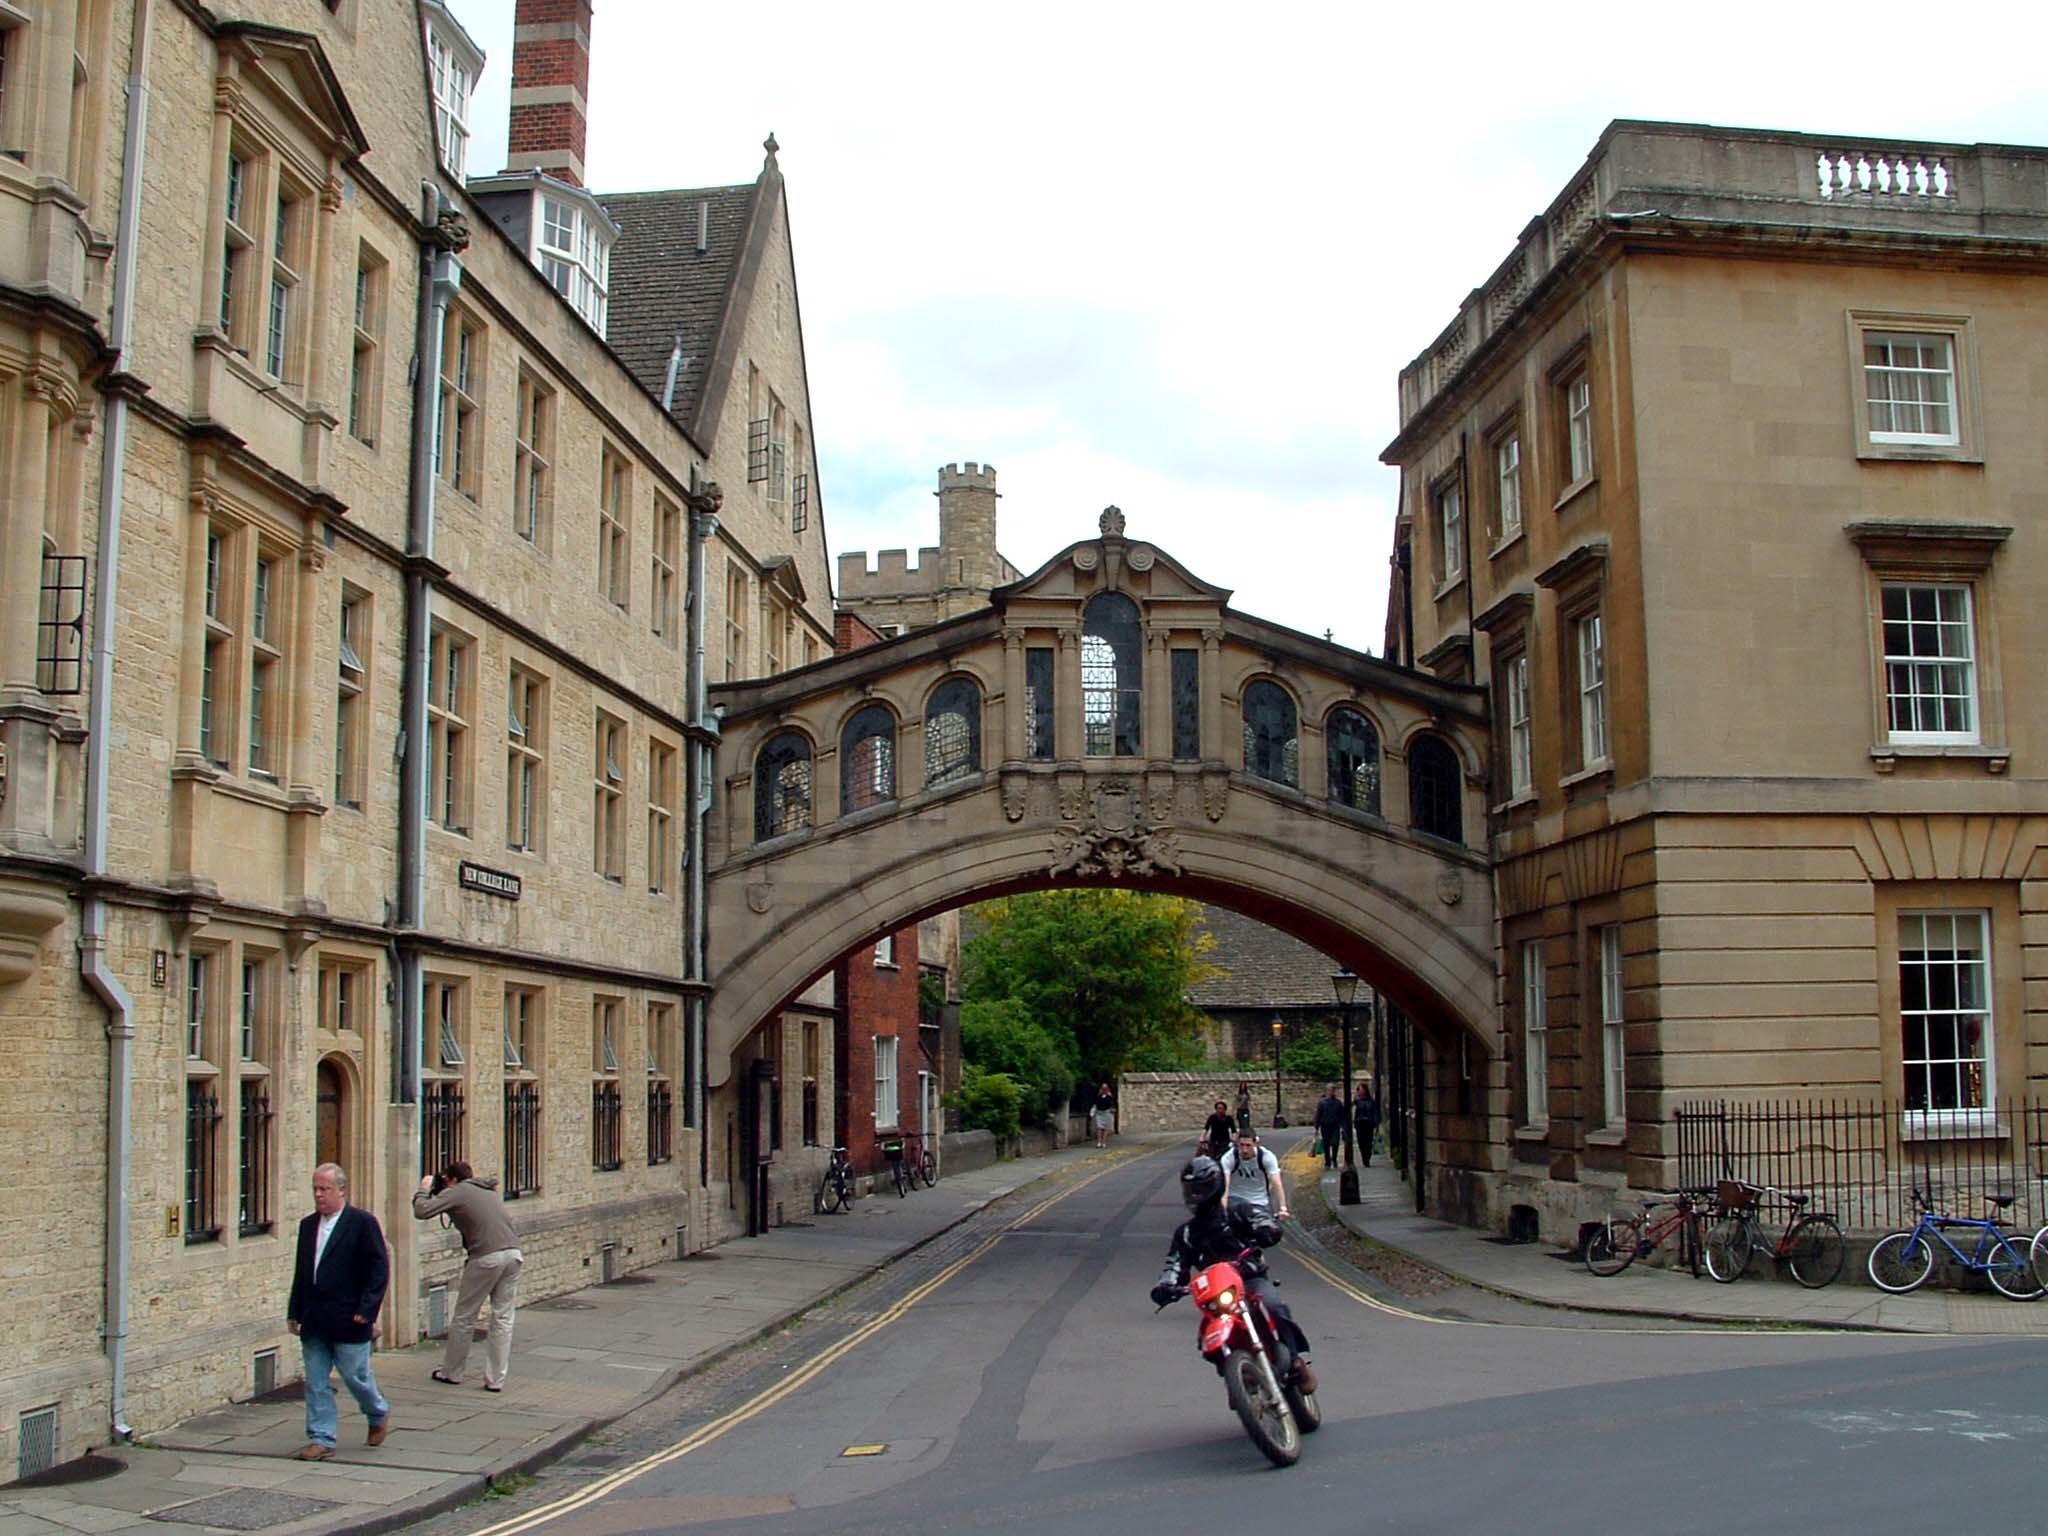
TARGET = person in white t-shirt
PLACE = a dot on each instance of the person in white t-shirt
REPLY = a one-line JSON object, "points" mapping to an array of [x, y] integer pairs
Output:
{"points": [[1252, 1175]]}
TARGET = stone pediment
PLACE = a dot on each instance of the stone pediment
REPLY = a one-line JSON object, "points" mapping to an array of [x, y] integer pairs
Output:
{"points": [[780, 573], [1111, 562], [293, 71]]}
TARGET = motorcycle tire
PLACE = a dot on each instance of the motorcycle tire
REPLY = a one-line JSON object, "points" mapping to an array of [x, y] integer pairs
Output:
{"points": [[1266, 1416], [1308, 1413]]}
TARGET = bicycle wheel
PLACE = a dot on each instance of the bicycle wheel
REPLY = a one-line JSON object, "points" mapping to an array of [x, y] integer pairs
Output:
{"points": [[1691, 1239], [900, 1172], [1901, 1262], [928, 1170], [827, 1198], [2037, 1254], [1815, 1252], [2011, 1271], [1728, 1247], [1611, 1246]]}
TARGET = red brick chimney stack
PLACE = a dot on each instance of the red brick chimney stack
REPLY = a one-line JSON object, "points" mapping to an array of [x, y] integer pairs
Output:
{"points": [[550, 87]]}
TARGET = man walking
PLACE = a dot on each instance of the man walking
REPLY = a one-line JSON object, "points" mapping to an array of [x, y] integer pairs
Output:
{"points": [[337, 1288], [1365, 1121], [491, 1270], [1330, 1124]]}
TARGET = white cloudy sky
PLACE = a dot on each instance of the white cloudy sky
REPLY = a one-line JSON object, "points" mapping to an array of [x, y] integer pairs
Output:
{"points": [[1173, 256]]}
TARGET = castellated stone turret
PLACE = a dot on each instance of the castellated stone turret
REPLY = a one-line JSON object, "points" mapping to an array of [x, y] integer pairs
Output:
{"points": [[954, 578]]}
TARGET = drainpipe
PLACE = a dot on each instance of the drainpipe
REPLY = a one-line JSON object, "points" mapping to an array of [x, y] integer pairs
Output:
{"points": [[92, 921], [440, 278], [1465, 538], [1404, 561], [705, 499]]}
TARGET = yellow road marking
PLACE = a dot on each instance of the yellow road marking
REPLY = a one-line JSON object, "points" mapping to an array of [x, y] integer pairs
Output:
{"points": [[703, 1435], [864, 1450]]}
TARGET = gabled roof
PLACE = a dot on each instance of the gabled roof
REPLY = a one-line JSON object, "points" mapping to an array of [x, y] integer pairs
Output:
{"points": [[665, 292], [1262, 967], [297, 68], [780, 572]]}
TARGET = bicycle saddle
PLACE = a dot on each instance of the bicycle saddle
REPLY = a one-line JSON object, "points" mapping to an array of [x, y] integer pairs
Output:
{"points": [[1797, 1199], [2001, 1201]]}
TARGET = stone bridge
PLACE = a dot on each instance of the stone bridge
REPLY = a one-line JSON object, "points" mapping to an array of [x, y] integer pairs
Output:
{"points": [[1109, 718]]}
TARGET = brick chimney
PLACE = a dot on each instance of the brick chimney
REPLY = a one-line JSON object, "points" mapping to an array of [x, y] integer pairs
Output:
{"points": [[550, 87]]}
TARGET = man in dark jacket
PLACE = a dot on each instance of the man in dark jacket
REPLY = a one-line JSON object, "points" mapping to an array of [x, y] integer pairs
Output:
{"points": [[1365, 1121], [1330, 1125], [492, 1268], [1218, 1130], [337, 1289]]}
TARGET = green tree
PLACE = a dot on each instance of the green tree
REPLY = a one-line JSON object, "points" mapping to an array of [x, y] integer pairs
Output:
{"points": [[1314, 1052], [1104, 974], [987, 1101], [999, 1035]]}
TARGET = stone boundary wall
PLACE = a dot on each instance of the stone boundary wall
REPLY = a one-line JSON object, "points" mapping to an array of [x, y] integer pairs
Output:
{"points": [[1180, 1101]]}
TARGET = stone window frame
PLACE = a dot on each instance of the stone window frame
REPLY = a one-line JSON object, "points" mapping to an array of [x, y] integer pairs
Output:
{"points": [[661, 816], [523, 1026], [1510, 626], [463, 373], [1577, 582], [353, 648], [366, 357], [275, 174], [1960, 330], [1331, 779], [446, 1018], [615, 527], [611, 775], [1531, 993], [658, 1026], [257, 1064], [1289, 747], [738, 599], [664, 561], [893, 1079], [207, 967], [533, 460], [236, 655], [1505, 432], [1447, 521], [452, 656], [1603, 1042], [869, 779], [1936, 553], [527, 720], [1572, 371], [607, 1079]]}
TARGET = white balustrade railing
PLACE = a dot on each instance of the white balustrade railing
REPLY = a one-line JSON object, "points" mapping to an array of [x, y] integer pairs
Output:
{"points": [[1882, 174]]}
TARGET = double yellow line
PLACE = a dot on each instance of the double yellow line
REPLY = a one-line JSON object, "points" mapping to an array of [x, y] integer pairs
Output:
{"points": [[704, 1434]]}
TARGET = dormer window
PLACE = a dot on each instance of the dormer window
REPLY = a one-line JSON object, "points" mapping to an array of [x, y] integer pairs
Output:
{"points": [[575, 254], [453, 62]]}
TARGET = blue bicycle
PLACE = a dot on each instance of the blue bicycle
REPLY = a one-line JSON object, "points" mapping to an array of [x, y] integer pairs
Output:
{"points": [[1902, 1261]]}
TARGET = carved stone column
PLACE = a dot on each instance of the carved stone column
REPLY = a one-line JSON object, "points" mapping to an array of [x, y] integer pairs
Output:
{"points": [[1212, 695], [309, 772], [21, 531], [1157, 721], [1014, 723], [1066, 735]]}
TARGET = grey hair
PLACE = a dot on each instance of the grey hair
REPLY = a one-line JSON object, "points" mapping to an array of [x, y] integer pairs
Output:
{"points": [[340, 1174]]}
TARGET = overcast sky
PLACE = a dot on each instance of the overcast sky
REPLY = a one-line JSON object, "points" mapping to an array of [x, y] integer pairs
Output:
{"points": [[1173, 256]]}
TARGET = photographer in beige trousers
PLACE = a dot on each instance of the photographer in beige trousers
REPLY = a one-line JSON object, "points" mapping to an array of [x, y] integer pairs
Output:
{"points": [[491, 1270]]}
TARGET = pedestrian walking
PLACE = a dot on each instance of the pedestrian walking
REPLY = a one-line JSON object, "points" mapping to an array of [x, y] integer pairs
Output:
{"points": [[338, 1283], [1244, 1105], [1217, 1130], [491, 1269], [1104, 1114], [1365, 1121], [1330, 1124]]}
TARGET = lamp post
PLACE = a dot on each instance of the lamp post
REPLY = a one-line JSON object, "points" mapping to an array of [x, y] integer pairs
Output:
{"points": [[1346, 987], [1279, 1120]]}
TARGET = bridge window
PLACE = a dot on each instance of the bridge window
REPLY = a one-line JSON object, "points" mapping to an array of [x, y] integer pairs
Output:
{"points": [[867, 759], [1272, 745], [1435, 803], [952, 731], [1187, 706], [1354, 761], [1038, 697], [1111, 662], [782, 786]]}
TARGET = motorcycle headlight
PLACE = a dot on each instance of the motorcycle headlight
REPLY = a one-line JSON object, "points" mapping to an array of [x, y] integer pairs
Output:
{"points": [[1224, 1300]]}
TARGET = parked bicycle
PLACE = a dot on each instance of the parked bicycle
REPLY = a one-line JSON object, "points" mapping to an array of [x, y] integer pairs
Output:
{"points": [[1811, 1245], [835, 1189], [1902, 1261], [1618, 1242], [900, 1173]]}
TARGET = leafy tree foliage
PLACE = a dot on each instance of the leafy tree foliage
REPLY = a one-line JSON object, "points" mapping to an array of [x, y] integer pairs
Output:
{"points": [[999, 1035], [1102, 974], [1315, 1052], [987, 1101]]}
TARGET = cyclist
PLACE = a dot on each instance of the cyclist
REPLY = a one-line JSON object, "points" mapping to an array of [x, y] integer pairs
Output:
{"points": [[1218, 1233], [1253, 1173]]}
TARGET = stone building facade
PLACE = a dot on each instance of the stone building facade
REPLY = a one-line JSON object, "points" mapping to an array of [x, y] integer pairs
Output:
{"points": [[1727, 485], [347, 723]]}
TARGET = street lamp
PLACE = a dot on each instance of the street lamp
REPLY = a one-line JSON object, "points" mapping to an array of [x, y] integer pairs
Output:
{"points": [[1346, 987], [1279, 1120]]}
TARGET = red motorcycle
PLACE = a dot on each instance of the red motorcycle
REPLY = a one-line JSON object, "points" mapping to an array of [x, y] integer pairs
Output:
{"points": [[1238, 1337]]}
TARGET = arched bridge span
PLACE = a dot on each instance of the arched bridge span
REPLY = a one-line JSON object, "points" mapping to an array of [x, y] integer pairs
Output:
{"points": [[1109, 718]]}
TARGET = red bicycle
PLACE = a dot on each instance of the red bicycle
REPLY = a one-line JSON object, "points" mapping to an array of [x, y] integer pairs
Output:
{"points": [[1614, 1244]]}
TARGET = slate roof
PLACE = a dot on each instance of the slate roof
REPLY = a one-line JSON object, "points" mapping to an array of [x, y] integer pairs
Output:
{"points": [[1266, 968], [663, 287]]}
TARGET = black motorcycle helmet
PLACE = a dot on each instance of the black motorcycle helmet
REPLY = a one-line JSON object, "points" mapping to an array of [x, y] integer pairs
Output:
{"points": [[1201, 1182]]}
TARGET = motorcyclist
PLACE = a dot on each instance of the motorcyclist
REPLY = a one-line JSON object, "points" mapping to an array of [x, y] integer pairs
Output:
{"points": [[1217, 1233]]}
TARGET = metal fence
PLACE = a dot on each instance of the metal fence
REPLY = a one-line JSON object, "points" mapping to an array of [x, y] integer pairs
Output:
{"points": [[1861, 1160], [441, 1123], [661, 1121], [604, 1124], [522, 1139]]}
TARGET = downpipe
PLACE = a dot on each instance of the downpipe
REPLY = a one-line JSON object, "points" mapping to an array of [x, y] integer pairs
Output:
{"points": [[705, 499], [97, 974]]}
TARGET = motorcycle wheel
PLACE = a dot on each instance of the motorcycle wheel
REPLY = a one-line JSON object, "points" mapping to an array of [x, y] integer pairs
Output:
{"points": [[1266, 1416], [1308, 1413]]}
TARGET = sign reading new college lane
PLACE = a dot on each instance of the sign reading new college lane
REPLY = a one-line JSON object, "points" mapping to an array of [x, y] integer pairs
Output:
{"points": [[492, 882]]}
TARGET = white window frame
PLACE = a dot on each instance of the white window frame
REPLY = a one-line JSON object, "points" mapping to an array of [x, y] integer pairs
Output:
{"points": [[886, 1085], [1521, 772], [1578, 418], [1535, 1034], [1590, 641], [574, 254], [1890, 385], [1613, 1049], [1963, 1116], [453, 75], [885, 952], [1450, 532], [1889, 659], [1507, 479], [1963, 437]]}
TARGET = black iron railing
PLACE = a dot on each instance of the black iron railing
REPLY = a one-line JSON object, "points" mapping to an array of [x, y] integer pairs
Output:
{"points": [[523, 1159], [661, 1122], [255, 1213], [604, 1125], [1861, 1160], [441, 1123], [202, 1158]]}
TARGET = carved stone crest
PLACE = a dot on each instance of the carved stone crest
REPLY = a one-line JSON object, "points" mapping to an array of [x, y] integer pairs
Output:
{"points": [[1016, 795], [1073, 792], [1215, 795], [1162, 799], [760, 897], [1113, 841], [1450, 890]]}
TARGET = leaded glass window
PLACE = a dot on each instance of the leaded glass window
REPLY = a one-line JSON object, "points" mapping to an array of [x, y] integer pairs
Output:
{"points": [[867, 759], [1272, 745], [952, 731], [1435, 804], [1187, 706], [782, 786], [1111, 667], [1038, 703], [1354, 761]]}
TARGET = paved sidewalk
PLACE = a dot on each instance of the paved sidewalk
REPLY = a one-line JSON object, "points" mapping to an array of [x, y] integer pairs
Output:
{"points": [[1549, 1276], [578, 1362]]}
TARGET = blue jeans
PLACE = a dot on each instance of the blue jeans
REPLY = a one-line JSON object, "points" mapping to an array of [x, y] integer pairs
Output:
{"points": [[323, 1356]]}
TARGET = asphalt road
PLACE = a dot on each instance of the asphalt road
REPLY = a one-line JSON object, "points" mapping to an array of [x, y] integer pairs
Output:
{"points": [[1014, 1373]]}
